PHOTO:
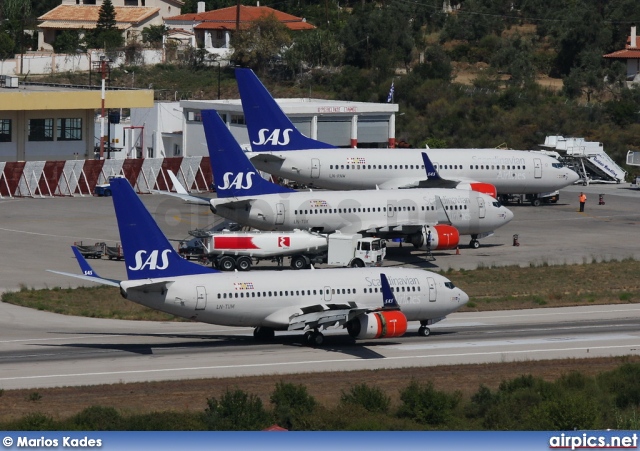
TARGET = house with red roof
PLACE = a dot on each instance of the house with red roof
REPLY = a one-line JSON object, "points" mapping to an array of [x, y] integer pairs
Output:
{"points": [[214, 29], [131, 17], [631, 55]]}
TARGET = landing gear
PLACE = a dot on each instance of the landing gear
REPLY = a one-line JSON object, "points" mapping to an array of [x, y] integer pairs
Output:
{"points": [[474, 244], [313, 338], [424, 331], [263, 333]]}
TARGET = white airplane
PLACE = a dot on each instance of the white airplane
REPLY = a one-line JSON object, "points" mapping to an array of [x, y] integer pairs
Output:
{"points": [[270, 301], [245, 197], [280, 149]]}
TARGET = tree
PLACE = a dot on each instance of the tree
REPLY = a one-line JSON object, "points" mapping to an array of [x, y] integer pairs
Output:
{"points": [[261, 44], [68, 42], [106, 34], [153, 35], [236, 411], [6, 46]]}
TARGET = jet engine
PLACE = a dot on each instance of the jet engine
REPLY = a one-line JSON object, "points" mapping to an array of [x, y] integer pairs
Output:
{"points": [[485, 188], [443, 236], [385, 323]]}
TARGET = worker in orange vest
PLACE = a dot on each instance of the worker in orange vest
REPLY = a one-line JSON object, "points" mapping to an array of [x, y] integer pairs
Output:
{"points": [[583, 199]]}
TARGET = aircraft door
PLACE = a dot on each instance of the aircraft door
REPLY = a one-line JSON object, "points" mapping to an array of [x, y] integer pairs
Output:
{"points": [[315, 168], [481, 208], [537, 168], [201, 298], [279, 214], [327, 293], [389, 211], [432, 289]]}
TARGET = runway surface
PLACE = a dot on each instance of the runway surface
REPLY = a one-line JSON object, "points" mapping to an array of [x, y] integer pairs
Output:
{"points": [[39, 349]]}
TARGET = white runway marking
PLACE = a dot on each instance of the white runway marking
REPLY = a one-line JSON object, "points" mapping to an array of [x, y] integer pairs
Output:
{"points": [[322, 362]]}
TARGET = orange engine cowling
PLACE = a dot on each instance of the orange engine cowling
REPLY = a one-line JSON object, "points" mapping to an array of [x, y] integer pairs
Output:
{"points": [[385, 323], [444, 236], [486, 188]]}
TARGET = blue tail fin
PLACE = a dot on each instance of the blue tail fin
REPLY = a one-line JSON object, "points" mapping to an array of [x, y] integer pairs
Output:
{"points": [[233, 173], [388, 299], [428, 166], [269, 128], [147, 252], [85, 267]]}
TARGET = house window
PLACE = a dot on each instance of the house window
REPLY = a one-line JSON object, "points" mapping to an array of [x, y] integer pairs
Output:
{"points": [[69, 129], [237, 119], [40, 129], [176, 150], [194, 116], [219, 34], [5, 130], [130, 2]]}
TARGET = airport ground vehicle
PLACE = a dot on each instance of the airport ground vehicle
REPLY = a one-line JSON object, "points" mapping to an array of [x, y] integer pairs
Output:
{"points": [[229, 250], [535, 199]]}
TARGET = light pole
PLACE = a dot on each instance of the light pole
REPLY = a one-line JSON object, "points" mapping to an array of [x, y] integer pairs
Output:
{"points": [[218, 80]]}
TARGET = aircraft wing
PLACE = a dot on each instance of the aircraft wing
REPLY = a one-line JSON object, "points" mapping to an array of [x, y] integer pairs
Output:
{"points": [[323, 316], [182, 193]]}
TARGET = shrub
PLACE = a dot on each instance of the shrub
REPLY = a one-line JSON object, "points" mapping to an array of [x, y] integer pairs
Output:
{"points": [[97, 418], [372, 399], [236, 411], [427, 405], [291, 403]]}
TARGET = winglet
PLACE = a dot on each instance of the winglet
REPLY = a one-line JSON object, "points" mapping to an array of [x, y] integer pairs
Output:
{"points": [[269, 128], [428, 166], [388, 298], [232, 171], [85, 267], [88, 272]]}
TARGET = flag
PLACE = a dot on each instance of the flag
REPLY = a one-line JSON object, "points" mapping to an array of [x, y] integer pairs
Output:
{"points": [[391, 91]]}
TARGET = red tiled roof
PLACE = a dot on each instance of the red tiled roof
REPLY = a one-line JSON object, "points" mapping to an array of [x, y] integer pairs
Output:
{"points": [[89, 13], [628, 52], [225, 18], [624, 54]]}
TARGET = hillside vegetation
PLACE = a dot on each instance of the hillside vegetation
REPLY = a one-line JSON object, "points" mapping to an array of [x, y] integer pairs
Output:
{"points": [[490, 73]]}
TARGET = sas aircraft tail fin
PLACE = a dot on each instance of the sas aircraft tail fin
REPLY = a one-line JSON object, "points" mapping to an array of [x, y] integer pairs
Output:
{"points": [[233, 173], [269, 128], [147, 252]]}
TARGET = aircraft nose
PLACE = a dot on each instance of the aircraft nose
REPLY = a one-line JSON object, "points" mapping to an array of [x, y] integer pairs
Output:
{"points": [[464, 298], [572, 176], [508, 215]]}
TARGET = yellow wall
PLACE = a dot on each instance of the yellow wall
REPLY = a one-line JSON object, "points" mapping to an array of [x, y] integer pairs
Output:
{"points": [[73, 100]]}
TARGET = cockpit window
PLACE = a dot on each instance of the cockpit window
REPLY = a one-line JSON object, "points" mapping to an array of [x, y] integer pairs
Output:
{"points": [[449, 285], [557, 165], [496, 204]]}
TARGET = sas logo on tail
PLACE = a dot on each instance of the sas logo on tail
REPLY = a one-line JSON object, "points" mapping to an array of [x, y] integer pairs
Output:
{"points": [[273, 138], [238, 181], [151, 261]]}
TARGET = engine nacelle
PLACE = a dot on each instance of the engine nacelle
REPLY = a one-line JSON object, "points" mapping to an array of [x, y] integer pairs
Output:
{"points": [[443, 236], [390, 323], [486, 188]]}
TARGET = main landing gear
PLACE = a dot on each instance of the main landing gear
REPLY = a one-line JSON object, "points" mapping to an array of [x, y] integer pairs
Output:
{"points": [[313, 338], [424, 331], [474, 243]]}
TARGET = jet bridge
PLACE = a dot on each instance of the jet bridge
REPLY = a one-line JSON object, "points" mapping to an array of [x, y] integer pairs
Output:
{"points": [[587, 158]]}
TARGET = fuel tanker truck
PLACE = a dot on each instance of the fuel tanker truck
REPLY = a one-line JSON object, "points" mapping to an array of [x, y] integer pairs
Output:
{"points": [[229, 250]]}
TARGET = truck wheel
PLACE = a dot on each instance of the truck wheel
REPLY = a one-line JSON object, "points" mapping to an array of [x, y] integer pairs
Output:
{"points": [[227, 264], [535, 202], [243, 263], [107, 193], [357, 263], [298, 262]]}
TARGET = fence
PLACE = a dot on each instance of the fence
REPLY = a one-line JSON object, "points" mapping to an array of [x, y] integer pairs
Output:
{"points": [[80, 177]]}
